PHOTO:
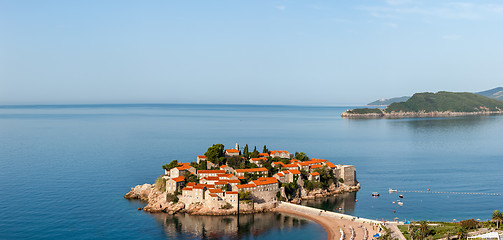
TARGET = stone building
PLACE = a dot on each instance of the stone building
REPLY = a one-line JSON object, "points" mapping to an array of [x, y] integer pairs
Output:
{"points": [[173, 184], [231, 152], [201, 158], [259, 171], [280, 154], [209, 173]]}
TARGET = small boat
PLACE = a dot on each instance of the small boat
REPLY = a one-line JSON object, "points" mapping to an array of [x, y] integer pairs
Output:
{"points": [[429, 189], [392, 190], [400, 203], [375, 194], [400, 196], [394, 202]]}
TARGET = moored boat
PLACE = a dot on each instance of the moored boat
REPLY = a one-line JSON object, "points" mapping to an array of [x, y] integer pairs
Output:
{"points": [[392, 190], [375, 194]]}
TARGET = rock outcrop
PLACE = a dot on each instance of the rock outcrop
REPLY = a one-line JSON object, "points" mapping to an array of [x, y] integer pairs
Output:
{"points": [[157, 200]]}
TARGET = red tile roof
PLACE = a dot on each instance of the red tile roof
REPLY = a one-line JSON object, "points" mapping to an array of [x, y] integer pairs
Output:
{"points": [[264, 154], [208, 186], [330, 165], [201, 156], [278, 163], [251, 170], [186, 189], [258, 159], [280, 174], [302, 164], [179, 179], [316, 166], [317, 160], [199, 187], [234, 181], [222, 182], [213, 195], [245, 186], [210, 178], [294, 171], [290, 165], [223, 166], [231, 151], [315, 173], [265, 181], [216, 190], [191, 184], [183, 167], [231, 192], [210, 171]]}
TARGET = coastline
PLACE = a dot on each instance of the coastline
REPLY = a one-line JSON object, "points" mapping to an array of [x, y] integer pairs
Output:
{"points": [[395, 115], [333, 225]]}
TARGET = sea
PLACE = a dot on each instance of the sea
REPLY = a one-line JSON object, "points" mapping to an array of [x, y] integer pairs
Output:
{"points": [[64, 169]]}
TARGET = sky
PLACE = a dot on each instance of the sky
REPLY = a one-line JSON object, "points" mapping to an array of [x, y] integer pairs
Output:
{"points": [[329, 53]]}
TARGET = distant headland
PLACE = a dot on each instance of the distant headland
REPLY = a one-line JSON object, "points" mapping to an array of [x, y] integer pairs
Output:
{"points": [[228, 181], [441, 104]]}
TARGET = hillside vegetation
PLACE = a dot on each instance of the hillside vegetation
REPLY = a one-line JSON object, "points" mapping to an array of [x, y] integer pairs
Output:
{"points": [[365, 110], [446, 101]]}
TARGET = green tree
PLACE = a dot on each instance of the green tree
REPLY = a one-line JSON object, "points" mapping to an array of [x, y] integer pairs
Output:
{"points": [[171, 165], [301, 156], [189, 177], [246, 153], [265, 150], [235, 162], [255, 153], [215, 152], [498, 217]]}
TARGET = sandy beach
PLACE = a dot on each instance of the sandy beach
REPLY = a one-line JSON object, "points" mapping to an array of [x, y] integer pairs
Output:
{"points": [[333, 225]]}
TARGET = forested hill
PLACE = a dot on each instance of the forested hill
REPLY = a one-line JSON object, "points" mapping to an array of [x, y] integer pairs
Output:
{"points": [[446, 101]]}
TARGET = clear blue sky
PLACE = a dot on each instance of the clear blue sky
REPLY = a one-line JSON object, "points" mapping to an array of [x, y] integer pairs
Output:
{"points": [[245, 52]]}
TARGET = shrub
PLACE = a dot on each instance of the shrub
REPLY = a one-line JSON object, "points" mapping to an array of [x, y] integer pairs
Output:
{"points": [[226, 206], [469, 224], [170, 197], [160, 184], [341, 180]]}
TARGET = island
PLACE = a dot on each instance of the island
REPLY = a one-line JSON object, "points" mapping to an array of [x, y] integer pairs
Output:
{"points": [[231, 181], [440, 104]]}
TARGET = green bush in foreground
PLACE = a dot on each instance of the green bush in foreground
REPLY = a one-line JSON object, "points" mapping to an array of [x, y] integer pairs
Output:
{"points": [[160, 184]]}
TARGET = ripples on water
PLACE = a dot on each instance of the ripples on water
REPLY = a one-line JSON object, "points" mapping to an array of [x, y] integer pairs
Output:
{"points": [[64, 169]]}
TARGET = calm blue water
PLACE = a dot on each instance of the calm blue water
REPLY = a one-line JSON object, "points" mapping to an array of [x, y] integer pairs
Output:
{"points": [[64, 169]]}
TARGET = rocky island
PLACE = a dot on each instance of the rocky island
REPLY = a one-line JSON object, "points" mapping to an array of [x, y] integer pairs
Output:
{"points": [[228, 181], [441, 104]]}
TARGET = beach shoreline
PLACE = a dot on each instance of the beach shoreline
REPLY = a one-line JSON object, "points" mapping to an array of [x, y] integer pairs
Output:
{"points": [[333, 225]]}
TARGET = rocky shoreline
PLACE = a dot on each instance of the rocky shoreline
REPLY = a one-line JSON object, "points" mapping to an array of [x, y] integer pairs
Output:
{"points": [[395, 115], [157, 201]]}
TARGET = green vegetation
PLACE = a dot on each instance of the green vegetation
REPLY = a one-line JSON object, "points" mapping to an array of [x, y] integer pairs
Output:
{"points": [[365, 110], [497, 216], [172, 197], [215, 154], [189, 177], [290, 189], [246, 153], [265, 150], [301, 156], [171, 165], [226, 206], [244, 195], [160, 184], [201, 166], [446, 101]]}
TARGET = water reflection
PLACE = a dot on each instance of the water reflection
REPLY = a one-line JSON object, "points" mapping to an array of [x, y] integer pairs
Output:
{"points": [[464, 123], [250, 226], [342, 203]]}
